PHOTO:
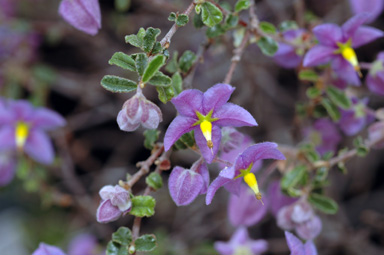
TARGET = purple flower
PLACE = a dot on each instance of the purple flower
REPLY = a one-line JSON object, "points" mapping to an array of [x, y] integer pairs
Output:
{"points": [[7, 167], [324, 135], [138, 110], [205, 113], [115, 202], [240, 243], [83, 244], [7, 9], [245, 210], [297, 247], [185, 185], [375, 77], [376, 134], [23, 127], [45, 249], [277, 199], [352, 121], [301, 217], [230, 176], [84, 15], [287, 55], [336, 45], [373, 7]]}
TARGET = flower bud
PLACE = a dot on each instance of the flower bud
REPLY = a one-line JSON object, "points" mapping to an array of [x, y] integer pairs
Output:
{"points": [[45, 249], [301, 212], [115, 201], [375, 133], [84, 15], [138, 110], [309, 229], [184, 185]]}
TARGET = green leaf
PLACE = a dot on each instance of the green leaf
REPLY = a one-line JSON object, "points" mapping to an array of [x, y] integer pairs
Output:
{"points": [[122, 5], [136, 40], [165, 93], [308, 75], [339, 97], [123, 60], [173, 66], [116, 249], [179, 145], [242, 5], [288, 25], [154, 181], [160, 79], [156, 63], [122, 236], [210, 14], [150, 38], [323, 203], [141, 63], [151, 136], [117, 84], [362, 149], [331, 109], [268, 46], [182, 20], [143, 206], [177, 83], [267, 27], [186, 60], [146, 243], [158, 49], [232, 20], [238, 36], [293, 177], [197, 22], [313, 92], [172, 16], [215, 31]]}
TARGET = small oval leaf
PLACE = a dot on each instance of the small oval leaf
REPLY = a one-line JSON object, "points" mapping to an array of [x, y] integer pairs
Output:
{"points": [[211, 15], [117, 84], [323, 203], [123, 60], [156, 63], [146, 243], [143, 206]]}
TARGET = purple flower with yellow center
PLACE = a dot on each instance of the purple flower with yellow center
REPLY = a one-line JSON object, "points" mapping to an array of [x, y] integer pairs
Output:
{"points": [[242, 168], [84, 15], [353, 120], [22, 128], [324, 135], [297, 247], [337, 44], [287, 55], [205, 113], [240, 243], [375, 77], [373, 7]]}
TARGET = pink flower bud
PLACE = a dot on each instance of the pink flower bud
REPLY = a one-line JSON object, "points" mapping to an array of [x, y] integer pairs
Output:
{"points": [[138, 110], [309, 229], [301, 212], [84, 15], [115, 201], [184, 185]]}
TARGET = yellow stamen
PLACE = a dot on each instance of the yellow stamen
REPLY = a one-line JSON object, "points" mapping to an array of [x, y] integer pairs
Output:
{"points": [[206, 128], [21, 134], [349, 54], [250, 179]]}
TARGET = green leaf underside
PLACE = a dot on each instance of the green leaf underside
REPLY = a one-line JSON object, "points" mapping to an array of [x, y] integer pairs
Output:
{"points": [[117, 84], [143, 206]]}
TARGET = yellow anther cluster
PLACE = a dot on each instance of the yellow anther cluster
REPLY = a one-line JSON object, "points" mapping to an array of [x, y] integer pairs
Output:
{"points": [[206, 129]]}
